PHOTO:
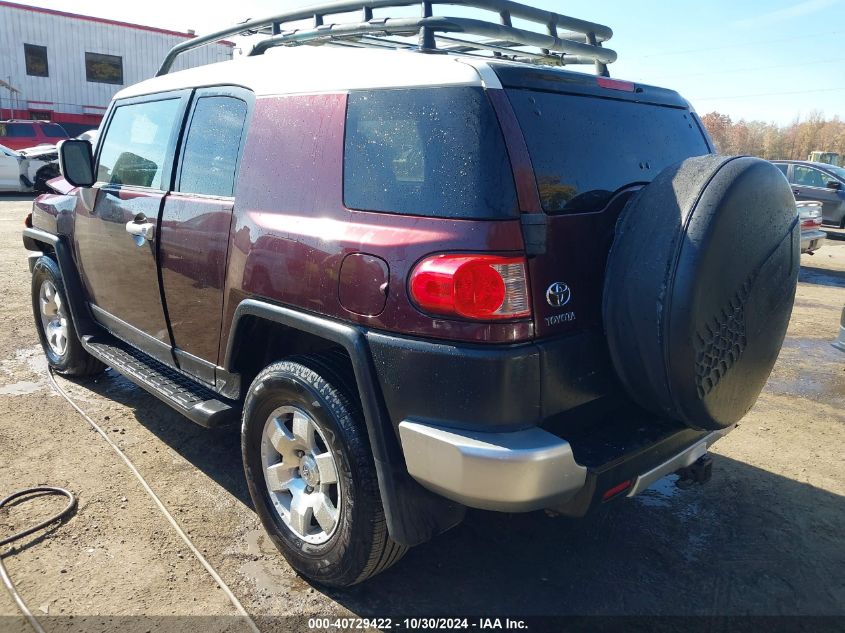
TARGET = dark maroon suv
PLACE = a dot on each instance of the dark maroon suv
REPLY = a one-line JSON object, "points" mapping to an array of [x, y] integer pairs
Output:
{"points": [[424, 279]]}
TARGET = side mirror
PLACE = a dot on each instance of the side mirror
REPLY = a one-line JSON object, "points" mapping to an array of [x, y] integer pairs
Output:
{"points": [[834, 184], [76, 162]]}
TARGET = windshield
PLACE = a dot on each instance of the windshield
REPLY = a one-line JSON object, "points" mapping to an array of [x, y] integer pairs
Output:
{"points": [[584, 149]]}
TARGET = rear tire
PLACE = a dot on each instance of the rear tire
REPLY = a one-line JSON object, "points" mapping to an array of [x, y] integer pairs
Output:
{"points": [[303, 432], [54, 323]]}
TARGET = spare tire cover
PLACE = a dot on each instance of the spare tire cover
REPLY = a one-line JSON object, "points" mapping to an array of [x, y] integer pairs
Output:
{"points": [[699, 287]]}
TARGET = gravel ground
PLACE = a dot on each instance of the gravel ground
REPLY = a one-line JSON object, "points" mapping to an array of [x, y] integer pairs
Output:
{"points": [[764, 537]]}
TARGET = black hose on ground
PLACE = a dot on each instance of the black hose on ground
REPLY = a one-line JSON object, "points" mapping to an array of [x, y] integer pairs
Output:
{"points": [[38, 491]]}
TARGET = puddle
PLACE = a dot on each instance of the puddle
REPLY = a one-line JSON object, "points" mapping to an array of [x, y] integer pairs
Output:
{"points": [[804, 370], [822, 277], [265, 581], [253, 545], [661, 495], [21, 388]]}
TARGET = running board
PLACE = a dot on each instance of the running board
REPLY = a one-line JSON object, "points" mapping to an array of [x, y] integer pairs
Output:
{"points": [[196, 402]]}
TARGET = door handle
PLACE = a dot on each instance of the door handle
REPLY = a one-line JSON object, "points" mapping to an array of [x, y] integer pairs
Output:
{"points": [[141, 231], [796, 192]]}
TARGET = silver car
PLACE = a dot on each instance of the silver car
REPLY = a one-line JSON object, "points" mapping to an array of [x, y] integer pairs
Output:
{"points": [[810, 216]]}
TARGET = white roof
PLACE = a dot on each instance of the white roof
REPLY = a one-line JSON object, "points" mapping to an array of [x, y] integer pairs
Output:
{"points": [[310, 69]]}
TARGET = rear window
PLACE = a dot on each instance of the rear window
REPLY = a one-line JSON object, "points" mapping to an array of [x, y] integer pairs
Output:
{"points": [[585, 149], [54, 130], [430, 152]]}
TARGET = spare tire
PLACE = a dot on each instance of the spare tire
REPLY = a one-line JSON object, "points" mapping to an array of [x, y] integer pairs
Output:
{"points": [[699, 287]]}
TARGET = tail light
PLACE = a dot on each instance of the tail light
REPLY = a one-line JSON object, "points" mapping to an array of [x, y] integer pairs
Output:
{"points": [[483, 287], [810, 215]]}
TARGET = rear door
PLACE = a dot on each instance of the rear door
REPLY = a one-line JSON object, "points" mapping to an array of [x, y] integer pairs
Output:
{"points": [[134, 173], [195, 225], [589, 155]]}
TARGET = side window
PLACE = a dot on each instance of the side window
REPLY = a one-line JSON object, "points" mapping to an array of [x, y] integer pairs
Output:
{"points": [[135, 145], [210, 158], [783, 168], [436, 153], [35, 58], [809, 177], [19, 130], [104, 69]]}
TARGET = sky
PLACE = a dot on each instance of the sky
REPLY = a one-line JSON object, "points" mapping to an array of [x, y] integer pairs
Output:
{"points": [[770, 60]]}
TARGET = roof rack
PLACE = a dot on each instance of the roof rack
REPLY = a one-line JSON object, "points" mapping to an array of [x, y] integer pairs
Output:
{"points": [[564, 40]]}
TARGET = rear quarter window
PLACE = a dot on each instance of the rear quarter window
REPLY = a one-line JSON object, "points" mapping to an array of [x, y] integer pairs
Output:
{"points": [[584, 149], [429, 152], [54, 131]]}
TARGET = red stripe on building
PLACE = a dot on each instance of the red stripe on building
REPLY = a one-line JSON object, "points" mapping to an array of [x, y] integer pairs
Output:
{"points": [[91, 18]]}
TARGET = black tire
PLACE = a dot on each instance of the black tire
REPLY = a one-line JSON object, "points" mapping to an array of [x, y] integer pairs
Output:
{"points": [[74, 360], [699, 288], [360, 545]]}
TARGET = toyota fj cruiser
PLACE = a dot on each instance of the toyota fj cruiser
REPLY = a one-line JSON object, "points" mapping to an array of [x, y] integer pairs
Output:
{"points": [[425, 274]]}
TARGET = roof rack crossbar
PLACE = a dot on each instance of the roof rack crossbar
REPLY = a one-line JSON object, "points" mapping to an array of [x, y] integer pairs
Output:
{"points": [[564, 40]]}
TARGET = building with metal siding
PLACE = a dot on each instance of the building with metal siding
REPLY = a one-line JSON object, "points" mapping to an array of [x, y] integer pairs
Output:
{"points": [[66, 67]]}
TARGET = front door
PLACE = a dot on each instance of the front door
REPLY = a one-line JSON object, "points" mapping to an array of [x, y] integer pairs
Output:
{"points": [[10, 171], [117, 262], [809, 183]]}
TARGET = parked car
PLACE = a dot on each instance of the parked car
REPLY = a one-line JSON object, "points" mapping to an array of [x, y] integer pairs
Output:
{"points": [[420, 282], [819, 182], [19, 171], [18, 134], [44, 162], [810, 216]]}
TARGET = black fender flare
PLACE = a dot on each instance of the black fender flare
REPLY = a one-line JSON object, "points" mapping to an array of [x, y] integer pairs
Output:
{"points": [[34, 240], [414, 515]]}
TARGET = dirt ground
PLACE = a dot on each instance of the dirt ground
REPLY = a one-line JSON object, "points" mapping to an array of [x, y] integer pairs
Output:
{"points": [[764, 537]]}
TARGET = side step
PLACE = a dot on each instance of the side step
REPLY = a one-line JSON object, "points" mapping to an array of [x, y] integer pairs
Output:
{"points": [[196, 402]]}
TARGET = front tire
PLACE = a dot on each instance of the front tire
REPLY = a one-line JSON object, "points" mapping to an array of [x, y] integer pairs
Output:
{"points": [[54, 323], [311, 474]]}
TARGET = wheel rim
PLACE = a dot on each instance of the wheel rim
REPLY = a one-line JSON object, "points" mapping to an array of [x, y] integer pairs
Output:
{"points": [[301, 474], [54, 318]]}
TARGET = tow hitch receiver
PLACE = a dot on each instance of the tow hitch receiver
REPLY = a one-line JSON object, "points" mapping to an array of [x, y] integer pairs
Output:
{"points": [[699, 472]]}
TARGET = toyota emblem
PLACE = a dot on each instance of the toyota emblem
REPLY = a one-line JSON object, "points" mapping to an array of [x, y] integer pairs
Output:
{"points": [[558, 294]]}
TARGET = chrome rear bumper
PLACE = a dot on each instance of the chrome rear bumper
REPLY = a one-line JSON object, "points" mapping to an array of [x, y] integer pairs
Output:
{"points": [[812, 240], [512, 472]]}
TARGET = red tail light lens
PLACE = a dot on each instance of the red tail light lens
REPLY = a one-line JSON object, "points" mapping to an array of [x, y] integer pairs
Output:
{"points": [[484, 287]]}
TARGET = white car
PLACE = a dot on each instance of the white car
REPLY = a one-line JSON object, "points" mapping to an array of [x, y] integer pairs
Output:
{"points": [[14, 169], [35, 166]]}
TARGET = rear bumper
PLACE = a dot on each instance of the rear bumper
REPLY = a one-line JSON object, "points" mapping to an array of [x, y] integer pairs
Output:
{"points": [[533, 469], [682, 460], [508, 472], [812, 240]]}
